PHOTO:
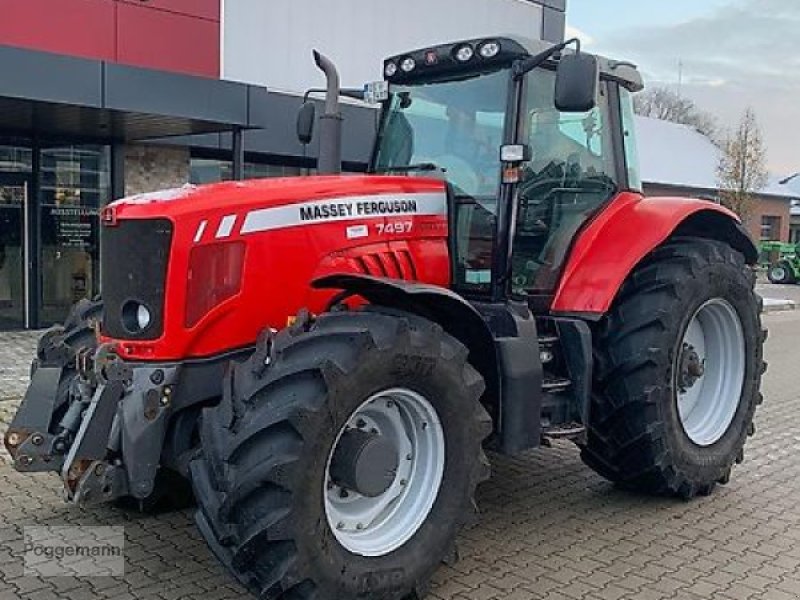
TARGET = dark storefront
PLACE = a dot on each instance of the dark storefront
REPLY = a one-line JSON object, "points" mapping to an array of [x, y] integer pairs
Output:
{"points": [[49, 203], [64, 126]]}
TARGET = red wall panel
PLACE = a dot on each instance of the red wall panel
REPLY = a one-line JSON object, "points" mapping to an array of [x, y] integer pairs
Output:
{"points": [[157, 39], [206, 9], [76, 27], [182, 36]]}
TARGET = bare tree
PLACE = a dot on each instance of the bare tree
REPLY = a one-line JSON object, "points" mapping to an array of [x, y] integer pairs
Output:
{"points": [[662, 103], [742, 169]]}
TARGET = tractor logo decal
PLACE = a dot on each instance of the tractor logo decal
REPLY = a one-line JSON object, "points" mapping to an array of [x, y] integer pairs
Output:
{"points": [[343, 209]]}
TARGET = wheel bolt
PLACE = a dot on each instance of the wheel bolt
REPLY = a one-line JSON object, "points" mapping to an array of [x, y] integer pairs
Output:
{"points": [[424, 425], [389, 404], [409, 457], [340, 525], [361, 423], [14, 439], [343, 493], [37, 439], [360, 526], [403, 482]]}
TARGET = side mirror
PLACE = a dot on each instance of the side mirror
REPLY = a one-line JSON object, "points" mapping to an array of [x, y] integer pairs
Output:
{"points": [[305, 122], [577, 80]]}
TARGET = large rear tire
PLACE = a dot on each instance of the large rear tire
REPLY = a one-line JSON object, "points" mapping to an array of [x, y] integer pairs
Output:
{"points": [[283, 502], [677, 371]]}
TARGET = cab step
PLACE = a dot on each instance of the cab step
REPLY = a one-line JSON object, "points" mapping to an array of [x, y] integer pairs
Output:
{"points": [[574, 432], [555, 384]]}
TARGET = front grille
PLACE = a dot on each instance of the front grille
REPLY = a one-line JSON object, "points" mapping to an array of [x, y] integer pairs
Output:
{"points": [[133, 266]]}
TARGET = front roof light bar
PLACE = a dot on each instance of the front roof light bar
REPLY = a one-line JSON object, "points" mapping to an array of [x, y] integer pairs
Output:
{"points": [[451, 59]]}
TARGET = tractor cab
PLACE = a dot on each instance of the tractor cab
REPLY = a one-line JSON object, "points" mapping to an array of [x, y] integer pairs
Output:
{"points": [[531, 145]]}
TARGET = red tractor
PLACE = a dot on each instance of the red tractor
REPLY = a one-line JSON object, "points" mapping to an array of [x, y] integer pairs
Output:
{"points": [[497, 281]]}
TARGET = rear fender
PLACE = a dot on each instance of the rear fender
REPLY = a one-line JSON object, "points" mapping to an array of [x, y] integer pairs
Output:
{"points": [[611, 246], [456, 316]]}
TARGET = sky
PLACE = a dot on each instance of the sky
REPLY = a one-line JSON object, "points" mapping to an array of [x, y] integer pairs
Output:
{"points": [[734, 54]]}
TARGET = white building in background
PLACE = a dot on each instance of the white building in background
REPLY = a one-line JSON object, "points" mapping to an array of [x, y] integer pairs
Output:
{"points": [[677, 160], [269, 42]]}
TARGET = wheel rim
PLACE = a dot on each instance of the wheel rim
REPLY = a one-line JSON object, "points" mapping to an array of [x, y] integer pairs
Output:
{"points": [[376, 526], [708, 396], [778, 273]]}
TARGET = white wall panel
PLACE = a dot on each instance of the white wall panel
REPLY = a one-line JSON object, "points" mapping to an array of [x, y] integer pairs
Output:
{"points": [[269, 42]]}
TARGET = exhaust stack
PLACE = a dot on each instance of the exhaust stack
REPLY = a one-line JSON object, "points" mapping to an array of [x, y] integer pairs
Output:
{"points": [[330, 122]]}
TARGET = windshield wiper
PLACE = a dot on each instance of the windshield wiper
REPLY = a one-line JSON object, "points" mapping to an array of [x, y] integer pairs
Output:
{"points": [[417, 167]]}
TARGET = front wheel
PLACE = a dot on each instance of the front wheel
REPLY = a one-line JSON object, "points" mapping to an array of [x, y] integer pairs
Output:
{"points": [[781, 273], [343, 458], [678, 371]]}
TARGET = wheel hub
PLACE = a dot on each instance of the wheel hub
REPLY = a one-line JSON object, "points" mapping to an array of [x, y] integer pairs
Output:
{"points": [[709, 371], [384, 472], [692, 368], [364, 462]]}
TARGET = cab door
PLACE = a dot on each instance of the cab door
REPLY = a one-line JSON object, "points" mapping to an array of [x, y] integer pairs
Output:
{"points": [[574, 170]]}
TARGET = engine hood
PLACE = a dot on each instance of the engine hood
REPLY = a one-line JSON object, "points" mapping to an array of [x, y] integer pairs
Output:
{"points": [[233, 258], [238, 196]]}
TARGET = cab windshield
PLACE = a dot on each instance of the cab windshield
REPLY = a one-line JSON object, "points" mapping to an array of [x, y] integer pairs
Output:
{"points": [[453, 128]]}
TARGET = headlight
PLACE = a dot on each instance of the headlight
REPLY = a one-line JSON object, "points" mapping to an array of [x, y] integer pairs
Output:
{"points": [[143, 316], [136, 317], [464, 53], [390, 69], [489, 49], [408, 64]]}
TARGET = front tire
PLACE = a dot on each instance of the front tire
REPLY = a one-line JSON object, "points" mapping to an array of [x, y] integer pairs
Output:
{"points": [[678, 371], [781, 273], [274, 508]]}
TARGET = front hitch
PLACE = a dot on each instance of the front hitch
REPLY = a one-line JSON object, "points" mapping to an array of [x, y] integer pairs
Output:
{"points": [[85, 390]]}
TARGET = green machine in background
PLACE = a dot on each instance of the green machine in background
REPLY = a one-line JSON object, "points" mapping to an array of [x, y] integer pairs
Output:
{"points": [[781, 260]]}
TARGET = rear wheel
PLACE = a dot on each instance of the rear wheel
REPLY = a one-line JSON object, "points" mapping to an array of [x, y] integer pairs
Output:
{"points": [[781, 273], [678, 370], [343, 458]]}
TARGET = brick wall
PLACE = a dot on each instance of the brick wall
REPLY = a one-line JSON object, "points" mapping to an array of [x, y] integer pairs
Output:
{"points": [[153, 168], [772, 207]]}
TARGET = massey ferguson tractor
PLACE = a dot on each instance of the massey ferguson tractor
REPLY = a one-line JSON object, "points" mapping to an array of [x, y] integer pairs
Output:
{"points": [[321, 362]]}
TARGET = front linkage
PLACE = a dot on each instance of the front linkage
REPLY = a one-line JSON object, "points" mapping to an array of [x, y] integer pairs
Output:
{"points": [[96, 420]]}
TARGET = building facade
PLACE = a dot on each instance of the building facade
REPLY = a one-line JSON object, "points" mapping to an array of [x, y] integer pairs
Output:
{"points": [[105, 98], [677, 160]]}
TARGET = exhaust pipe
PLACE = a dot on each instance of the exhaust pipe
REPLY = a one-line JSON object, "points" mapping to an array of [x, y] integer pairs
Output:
{"points": [[330, 123]]}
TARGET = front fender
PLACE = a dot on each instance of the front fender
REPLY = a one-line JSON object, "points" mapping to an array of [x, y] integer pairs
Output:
{"points": [[631, 227], [441, 305]]}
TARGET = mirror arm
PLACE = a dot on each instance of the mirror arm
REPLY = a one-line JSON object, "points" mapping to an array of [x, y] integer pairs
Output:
{"points": [[526, 65]]}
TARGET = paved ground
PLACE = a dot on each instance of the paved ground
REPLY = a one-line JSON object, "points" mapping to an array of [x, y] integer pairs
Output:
{"points": [[549, 528], [787, 292]]}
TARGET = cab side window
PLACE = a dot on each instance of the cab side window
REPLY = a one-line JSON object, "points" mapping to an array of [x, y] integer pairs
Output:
{"points": [[570, 175]]}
